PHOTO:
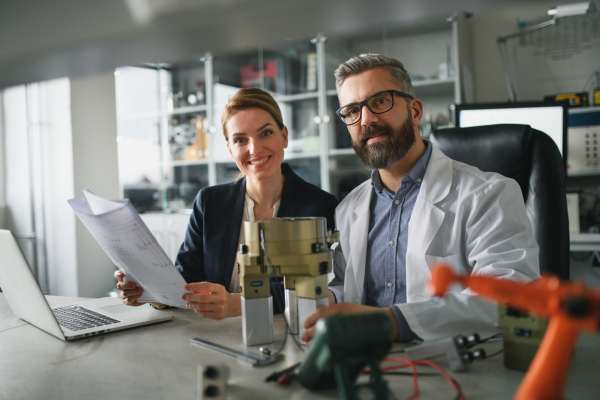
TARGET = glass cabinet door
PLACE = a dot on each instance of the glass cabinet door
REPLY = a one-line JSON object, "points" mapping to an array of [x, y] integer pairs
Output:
{"points": [[187, 134], [289, 73], [171, 142], [164, 135], [139, 136]]}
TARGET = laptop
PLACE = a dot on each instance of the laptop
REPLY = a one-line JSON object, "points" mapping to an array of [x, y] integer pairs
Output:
{"points": [[67, 322]]}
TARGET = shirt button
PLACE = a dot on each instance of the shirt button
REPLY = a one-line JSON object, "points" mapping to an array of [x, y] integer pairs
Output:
{"points": [[391, 242], [390, 284], [397, 202], [418, 179]]}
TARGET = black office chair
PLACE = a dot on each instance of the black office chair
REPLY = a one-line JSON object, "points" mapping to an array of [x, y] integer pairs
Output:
{"points": [[532, 159]]}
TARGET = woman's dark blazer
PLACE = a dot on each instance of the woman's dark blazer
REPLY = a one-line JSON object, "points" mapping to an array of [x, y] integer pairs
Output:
{"points": [[209, 249]]}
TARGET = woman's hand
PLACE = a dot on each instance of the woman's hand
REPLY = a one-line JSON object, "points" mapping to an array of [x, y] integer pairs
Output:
{"points": [[129, 290], [211, 300]]}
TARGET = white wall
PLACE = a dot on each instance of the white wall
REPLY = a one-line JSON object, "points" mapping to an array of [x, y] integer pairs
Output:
{"points": [[55, 114], [534, 78], [2, 167], [421, 54], [94, 125], [37, 128], [18, 198]]}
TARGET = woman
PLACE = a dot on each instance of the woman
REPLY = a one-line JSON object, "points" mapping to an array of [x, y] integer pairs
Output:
{"points": [[256, 139]]}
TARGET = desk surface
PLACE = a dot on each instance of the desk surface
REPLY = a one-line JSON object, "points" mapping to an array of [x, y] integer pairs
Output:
{"points": [[159, 362]]}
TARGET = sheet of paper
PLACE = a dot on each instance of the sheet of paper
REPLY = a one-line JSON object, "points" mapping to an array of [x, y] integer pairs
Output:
{"points": [[130, 245]]}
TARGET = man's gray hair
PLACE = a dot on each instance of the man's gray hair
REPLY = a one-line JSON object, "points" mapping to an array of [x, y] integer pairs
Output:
{"points": [[365, 62]]}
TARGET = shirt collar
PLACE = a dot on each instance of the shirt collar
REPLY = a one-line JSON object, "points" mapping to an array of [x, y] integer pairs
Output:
{"points": [[249, 209], [416, 173]]}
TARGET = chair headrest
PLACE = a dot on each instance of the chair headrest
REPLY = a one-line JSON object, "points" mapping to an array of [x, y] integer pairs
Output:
{"points": [[505, 149]]}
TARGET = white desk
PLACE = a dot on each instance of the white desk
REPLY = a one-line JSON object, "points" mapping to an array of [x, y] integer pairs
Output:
{"points": [[159, 362]]}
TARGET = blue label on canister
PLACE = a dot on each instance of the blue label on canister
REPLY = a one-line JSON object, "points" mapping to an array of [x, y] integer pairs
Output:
{"points": [[256, 283]]}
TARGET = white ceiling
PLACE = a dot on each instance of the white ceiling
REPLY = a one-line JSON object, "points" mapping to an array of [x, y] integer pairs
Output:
{"points": [[43, 39]]}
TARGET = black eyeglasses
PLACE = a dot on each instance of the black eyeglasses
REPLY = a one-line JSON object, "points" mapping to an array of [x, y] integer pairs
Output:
{"points": [[378, 103]]}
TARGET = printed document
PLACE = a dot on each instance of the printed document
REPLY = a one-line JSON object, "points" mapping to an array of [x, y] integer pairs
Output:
{"points": [[130, 245]]}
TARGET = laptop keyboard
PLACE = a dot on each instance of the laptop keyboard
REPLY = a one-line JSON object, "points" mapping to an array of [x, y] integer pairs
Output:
{"points": [[77, 318]]}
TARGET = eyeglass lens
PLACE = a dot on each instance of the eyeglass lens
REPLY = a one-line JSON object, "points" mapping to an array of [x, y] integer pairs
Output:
{"points": [[378, 104]]}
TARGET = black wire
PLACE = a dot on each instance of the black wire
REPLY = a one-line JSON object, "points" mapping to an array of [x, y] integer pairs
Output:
{"points": [[459, 394], [497, 335], [278, 374], [494, 354], [287, 331], [298, 344]]}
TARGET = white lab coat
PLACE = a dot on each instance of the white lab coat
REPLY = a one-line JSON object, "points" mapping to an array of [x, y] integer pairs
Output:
{"points": [[473, 220]]}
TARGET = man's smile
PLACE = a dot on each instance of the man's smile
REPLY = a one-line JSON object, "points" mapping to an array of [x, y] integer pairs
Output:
{"points": [[377, 138]]}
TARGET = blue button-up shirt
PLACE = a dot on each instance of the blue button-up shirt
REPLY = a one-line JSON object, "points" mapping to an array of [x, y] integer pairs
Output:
{"points": [[385, 272]]}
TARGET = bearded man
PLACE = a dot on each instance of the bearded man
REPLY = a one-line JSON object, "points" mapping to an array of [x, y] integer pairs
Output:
{"points": [[419, 208]]}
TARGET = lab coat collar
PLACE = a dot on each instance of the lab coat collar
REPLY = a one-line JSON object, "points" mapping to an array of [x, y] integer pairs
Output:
{"points": [[438, 177], [434, 188], [425, 222], [358, 233]]}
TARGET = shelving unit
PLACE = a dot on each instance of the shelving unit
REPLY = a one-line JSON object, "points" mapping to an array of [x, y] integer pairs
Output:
{"points": [[421, 54], [300, 77]]}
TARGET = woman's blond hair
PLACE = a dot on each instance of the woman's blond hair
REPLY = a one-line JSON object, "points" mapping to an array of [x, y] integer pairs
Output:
{"points": [[250, 98]]}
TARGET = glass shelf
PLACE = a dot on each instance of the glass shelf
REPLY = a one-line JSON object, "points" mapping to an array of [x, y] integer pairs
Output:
{"points": [[185, 163], [296, 97], [434, 87], [296, 156], [187, 110], [342, 152], [170, 115]]}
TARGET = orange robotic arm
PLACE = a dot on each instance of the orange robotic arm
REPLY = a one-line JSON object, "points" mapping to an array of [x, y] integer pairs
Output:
{"points": [[570, 307]]}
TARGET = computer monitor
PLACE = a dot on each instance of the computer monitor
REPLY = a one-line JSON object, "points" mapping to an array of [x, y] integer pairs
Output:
{"points": [[550, 118]]}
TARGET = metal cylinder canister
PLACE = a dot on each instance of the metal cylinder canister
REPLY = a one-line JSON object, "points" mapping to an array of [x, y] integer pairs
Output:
{"points": [[293, 248]]}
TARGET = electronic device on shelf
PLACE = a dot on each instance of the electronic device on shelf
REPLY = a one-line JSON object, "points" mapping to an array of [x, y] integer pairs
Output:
{"points": [[584, 141], [550, 118]]}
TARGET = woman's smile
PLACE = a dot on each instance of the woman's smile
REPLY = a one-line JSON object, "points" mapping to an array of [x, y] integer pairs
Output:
{"points": [[257, 144], [259, 162]]}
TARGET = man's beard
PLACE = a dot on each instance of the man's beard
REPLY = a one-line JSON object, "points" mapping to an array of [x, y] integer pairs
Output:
{"points": [[386, 152]]}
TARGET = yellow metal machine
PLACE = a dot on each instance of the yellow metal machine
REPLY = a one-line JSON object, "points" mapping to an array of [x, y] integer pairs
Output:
{"points": [[296, 249]]}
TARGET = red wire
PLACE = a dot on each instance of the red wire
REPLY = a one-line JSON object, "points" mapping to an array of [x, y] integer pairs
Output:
{"points": [[407, 363], [412, 364]]}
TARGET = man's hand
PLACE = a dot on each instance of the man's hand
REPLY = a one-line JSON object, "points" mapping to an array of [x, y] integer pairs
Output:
{"points": [[340, 309], [211, 300]]}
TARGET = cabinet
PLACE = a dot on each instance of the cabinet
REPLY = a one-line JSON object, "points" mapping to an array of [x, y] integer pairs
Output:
{"points": [[439, 63], [170, 139], [168, 229]]}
